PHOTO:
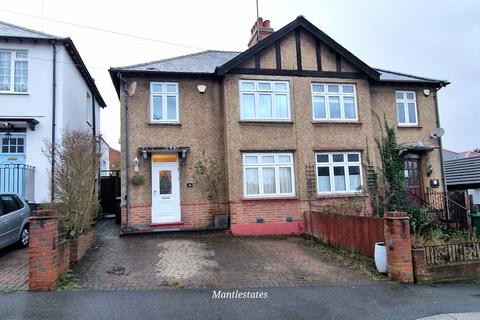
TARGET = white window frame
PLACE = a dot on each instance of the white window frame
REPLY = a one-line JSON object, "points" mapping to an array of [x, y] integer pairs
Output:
{"points": [[406, 101], [256, 92], [276, 165], [164, 96], [88, 108], [12, 70], [341, 96], [345, 164]]}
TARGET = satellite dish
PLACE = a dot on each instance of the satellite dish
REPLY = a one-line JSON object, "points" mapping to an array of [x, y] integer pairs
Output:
{"points": [[437, 133], [131, 88]]}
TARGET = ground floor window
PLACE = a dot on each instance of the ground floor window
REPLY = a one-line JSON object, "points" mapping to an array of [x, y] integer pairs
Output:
{"points": [[338, 172], [268, 174]]}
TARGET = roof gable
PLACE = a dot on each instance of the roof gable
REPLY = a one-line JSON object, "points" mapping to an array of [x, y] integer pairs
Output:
{"points": [[299, 24]]}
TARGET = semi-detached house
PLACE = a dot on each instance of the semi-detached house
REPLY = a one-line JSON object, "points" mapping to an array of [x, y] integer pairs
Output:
{"points": [[289, 117]]}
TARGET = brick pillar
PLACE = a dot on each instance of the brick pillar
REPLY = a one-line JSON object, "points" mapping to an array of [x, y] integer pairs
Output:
{"points": [[42, 250], [399, 247]]}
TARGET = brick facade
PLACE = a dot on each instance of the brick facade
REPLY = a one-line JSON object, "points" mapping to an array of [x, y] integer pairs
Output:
{"points": [[80, 245]]}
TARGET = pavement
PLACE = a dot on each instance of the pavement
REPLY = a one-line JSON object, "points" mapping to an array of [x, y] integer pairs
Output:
{"points": [[204, 260], [378, 301]]}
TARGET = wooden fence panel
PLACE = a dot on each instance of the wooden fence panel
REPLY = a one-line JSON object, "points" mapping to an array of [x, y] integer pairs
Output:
{"points": [[351, 233]]}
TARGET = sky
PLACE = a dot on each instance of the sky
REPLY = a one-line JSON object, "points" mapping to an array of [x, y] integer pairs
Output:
{"points": [[438, 39]]}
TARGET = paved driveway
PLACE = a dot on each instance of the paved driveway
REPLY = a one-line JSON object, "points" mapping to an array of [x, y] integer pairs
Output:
{"points": [[13, 269], [203, 261]]}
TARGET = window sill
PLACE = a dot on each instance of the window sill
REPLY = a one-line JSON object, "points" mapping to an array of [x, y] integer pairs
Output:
{"points": [[271, 198], [409, 127], [15, 93], [341, 195], [337, 122], [173, 124], [265, 122]]}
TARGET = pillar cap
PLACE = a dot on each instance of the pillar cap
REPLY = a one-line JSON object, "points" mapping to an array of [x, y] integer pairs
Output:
{"points": [[396, 214], [45, 214]]}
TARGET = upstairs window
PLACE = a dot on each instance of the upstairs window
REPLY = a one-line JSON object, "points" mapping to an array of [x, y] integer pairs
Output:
{"points": [[406, 108], [338, 172], [13, 71], [334, 102], [264, 100], [164, 102]]}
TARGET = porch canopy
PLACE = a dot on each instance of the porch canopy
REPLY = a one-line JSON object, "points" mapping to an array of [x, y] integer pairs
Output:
{"points": [[11, 124], [463, 173], [181, 151]]}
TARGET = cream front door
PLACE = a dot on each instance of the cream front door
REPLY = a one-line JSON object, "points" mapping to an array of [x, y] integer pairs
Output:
{"points": [[165, 192]]}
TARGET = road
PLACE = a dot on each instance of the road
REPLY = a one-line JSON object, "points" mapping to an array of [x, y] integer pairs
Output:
{"points": [[364, 301]]}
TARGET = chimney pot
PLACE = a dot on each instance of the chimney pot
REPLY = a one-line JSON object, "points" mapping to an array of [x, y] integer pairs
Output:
{"points": [[262, 29]]}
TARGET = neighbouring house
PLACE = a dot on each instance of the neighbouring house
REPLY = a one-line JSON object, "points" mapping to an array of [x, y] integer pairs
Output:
{"points": [[452, 155], [114, 159], [463, 180], [45, 88], [287, 119], [104, 157]]}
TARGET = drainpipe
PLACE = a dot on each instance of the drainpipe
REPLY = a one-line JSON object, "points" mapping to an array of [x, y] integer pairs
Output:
{"points": [[54, 124], [444, 179], [127, 158]]}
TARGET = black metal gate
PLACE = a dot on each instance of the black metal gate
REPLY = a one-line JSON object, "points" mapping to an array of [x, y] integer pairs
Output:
{"points": [[110, 193]]}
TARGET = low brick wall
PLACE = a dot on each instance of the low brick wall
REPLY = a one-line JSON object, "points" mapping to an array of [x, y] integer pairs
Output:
{"points": [[80, 245], [352, 233], [448, 272], [48, 257]]}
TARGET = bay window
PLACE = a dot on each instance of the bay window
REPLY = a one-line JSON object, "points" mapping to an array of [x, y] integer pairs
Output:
{"points": [[338, 172], [268, 174], [264, 100]]}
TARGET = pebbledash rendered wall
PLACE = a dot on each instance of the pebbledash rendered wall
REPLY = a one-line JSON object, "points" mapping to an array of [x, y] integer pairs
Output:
{"points": [[210, 123]]}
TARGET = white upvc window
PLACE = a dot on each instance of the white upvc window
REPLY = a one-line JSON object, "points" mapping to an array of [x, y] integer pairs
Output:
{"points": [[268, 174], [338, 172], [262, 100], [406, 108], [164, 102], [13, 71], [88, 109], [334, 102]]}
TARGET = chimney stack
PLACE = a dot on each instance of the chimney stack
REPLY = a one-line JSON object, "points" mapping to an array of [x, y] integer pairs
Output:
{"points": [[262, 28]]}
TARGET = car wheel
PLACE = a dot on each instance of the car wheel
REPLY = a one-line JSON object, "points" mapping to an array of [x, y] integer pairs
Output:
{"points": [[24, 237]]}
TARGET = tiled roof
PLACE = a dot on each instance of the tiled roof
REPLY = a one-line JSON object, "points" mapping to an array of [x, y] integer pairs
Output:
{"points": [[11, 30], [200, 62], [392, 76], [463, 171]]}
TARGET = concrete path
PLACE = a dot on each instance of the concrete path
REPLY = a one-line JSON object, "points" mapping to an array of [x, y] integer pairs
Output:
{"points": [[380, 301]]}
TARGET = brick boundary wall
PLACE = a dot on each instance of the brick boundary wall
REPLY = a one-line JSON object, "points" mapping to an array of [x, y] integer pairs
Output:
{"points": [[399, 247], [444, 272], [353, 233], [48, 257], [79, 246]]}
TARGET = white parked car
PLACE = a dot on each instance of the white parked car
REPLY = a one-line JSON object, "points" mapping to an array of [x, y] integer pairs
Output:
{"points": [[14, 220]]}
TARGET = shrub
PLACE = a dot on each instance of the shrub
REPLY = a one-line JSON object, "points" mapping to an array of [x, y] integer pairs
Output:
{"points": [[75, 194]]}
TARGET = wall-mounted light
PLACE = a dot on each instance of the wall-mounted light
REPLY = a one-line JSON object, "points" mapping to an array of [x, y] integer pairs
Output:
{"points": [[144, 154], [429, 170], [202, 88], [135, 164], [426, 92]]}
